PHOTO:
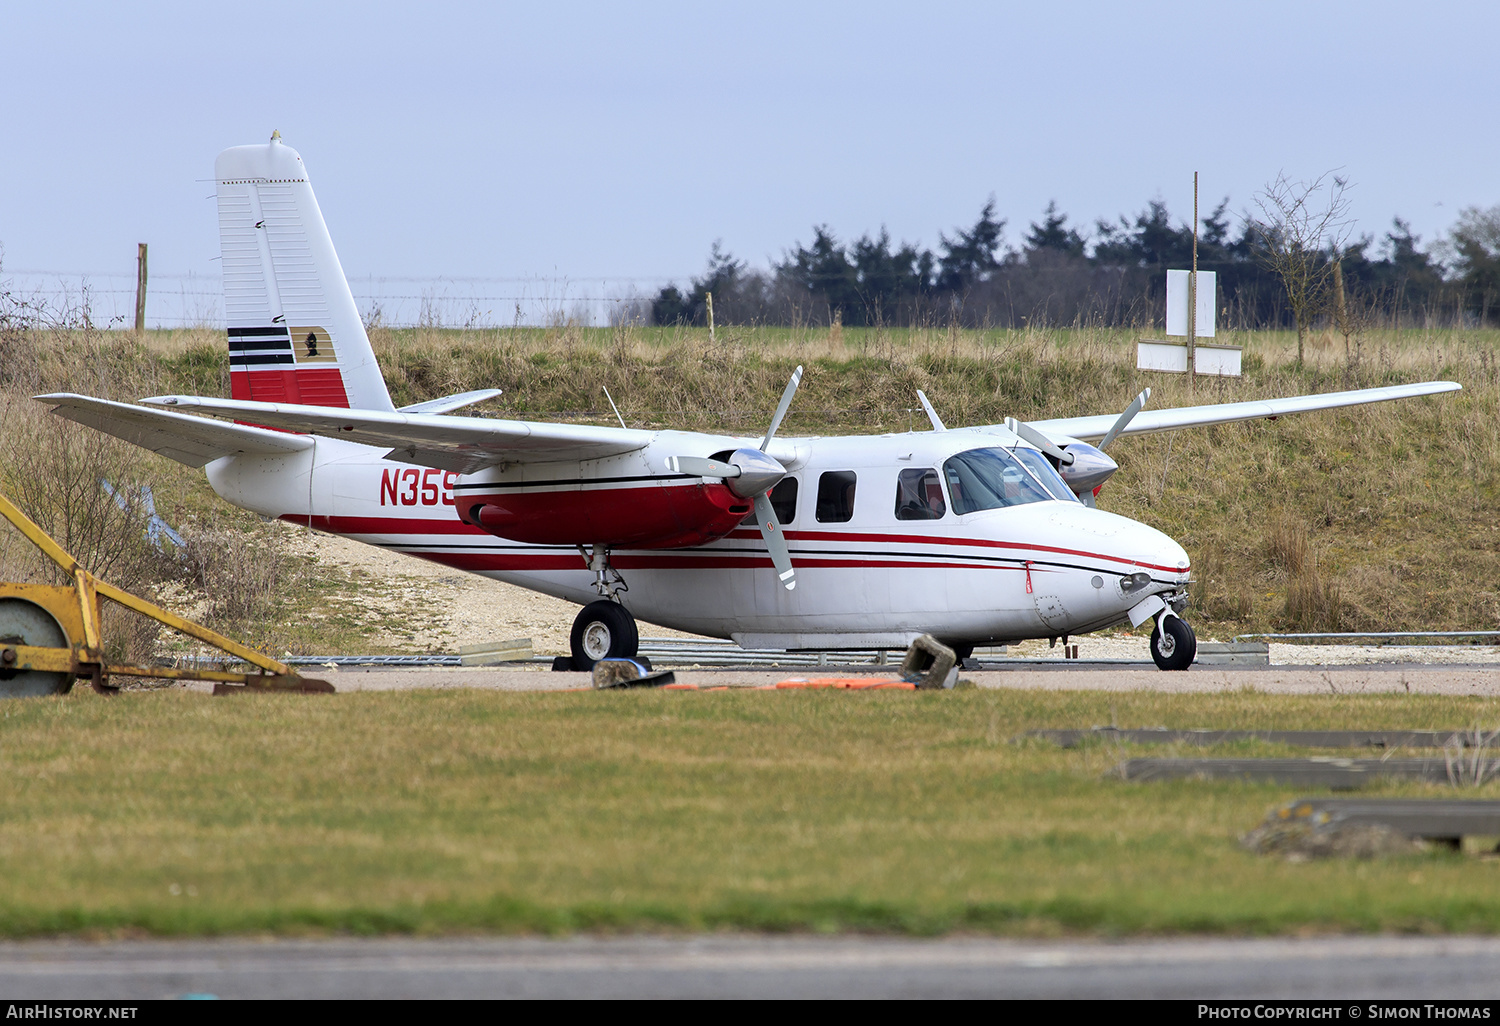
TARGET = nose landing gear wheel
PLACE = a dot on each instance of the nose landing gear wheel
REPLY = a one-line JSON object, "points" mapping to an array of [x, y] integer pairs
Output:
{"points": [[603, 630], [1176, 648], [26, 623]]}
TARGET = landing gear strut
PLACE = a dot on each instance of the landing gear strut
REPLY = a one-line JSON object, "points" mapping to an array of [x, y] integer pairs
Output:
{"points": [[603, 630], [607, 580], [1173, 643]]}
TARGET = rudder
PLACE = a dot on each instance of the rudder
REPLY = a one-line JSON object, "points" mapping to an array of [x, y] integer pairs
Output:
{"points": [[295, 335]]}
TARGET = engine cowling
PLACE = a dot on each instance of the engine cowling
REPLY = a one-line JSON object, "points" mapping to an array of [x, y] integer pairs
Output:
{"points": [[647, 515]]}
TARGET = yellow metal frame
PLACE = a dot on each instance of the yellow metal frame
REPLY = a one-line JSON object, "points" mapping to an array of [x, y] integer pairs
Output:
{"points": [[76, 610]]}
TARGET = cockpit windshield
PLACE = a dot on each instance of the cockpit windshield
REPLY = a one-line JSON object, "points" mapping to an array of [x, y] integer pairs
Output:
{"points": [[989, 479], [1041, 468]]}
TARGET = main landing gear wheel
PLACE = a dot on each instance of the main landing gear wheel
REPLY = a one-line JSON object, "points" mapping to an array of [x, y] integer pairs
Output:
{"points": [[1173, 644], [603, 630], [26, 623]]}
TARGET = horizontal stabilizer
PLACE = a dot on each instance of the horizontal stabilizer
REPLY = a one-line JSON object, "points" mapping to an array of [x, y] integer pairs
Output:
{"points": [[1092, 429], [461, 444], [192, 441], [449, 403]]}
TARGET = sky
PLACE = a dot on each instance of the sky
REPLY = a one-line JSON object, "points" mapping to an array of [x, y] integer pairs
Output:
{"points": [[574, 141]]}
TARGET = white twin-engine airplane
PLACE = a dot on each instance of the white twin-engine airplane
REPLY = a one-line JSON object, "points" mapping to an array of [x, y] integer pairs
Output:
{"points": [[976, 535]]}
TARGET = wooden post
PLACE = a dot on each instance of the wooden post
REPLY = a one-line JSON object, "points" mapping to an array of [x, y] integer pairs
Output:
{"points": [[1341, 305], [1192, 359], [140, 288], [708, 298]]}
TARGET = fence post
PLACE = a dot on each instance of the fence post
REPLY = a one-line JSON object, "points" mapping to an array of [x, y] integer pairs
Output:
{"points": [[140, 287]]}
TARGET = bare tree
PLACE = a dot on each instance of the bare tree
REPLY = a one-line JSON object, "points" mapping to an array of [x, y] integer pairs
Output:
{"points": [[1299, 221]]}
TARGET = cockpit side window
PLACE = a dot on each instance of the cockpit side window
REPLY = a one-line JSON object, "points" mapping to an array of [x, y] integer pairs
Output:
{"points": [[989, 479], [919, 495], [836, 497], [1042, 469]]}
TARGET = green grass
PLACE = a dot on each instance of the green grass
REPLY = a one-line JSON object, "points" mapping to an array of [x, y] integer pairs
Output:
{"points": [[175, 813]]}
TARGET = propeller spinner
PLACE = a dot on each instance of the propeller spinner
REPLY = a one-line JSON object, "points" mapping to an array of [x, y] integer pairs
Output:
{"points": [[750, 472]]}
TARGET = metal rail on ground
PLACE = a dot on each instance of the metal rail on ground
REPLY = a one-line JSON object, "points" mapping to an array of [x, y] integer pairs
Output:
{"points": [[664, 651], [1387, 739], [1376, 635]]}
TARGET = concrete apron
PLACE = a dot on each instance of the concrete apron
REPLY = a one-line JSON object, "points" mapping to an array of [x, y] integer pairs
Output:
{"points": [[1352, 680]]}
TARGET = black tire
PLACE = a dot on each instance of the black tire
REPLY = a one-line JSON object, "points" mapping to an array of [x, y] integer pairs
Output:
{"points": [[603, 630], [1177, 649]]}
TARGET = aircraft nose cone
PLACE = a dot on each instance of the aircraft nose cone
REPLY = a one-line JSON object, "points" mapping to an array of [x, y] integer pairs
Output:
{"points": [[1128, 540], [1155, 551]]}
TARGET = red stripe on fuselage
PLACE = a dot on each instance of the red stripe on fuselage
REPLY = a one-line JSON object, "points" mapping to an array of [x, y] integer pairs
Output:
{"points": [[519, 561], [398, 527], [922, 539], [411, 526]]}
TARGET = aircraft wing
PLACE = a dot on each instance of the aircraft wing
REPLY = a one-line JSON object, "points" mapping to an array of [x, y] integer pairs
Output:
{"points": [[192, 441], [1091, 429], [461, 444]]}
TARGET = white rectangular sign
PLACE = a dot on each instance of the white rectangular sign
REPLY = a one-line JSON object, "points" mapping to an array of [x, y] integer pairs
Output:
{"points": [[1208, 359], [1177, 303]]}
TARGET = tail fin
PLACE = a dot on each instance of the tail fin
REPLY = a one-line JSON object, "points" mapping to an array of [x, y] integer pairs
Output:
{"points": [[295, 334]]}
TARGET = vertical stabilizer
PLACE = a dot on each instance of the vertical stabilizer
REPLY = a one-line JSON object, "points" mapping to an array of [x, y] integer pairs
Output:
{"points": [[295, 335]]}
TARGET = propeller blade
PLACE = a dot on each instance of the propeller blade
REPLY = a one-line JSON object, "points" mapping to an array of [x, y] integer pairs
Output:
{"points": [[701, 466], [1041, 441], [786, 402], [1119, 425], [770, 530], [937, 424]]}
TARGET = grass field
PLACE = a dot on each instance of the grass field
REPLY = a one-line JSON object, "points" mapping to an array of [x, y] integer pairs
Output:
{"points": [[175, 813]]}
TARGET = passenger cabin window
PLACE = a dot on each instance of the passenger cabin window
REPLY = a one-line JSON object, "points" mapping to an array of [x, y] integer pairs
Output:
{"points": [[919, 495], [989, 479], [836, 497], [1041, 468]]}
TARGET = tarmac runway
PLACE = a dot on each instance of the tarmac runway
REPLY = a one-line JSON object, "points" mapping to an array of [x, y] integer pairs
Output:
{"points": [[739, 966], [1384, 678]]}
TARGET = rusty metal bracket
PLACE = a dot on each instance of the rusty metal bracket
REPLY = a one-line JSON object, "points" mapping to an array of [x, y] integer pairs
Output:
{"points": [[76, 610]]}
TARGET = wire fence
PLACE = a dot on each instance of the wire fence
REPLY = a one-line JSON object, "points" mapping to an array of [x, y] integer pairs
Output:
{"points": [[197, 300]]}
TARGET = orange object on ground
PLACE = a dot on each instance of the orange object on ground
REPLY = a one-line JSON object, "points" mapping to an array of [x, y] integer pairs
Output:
{"points": [[794, 683], [843, 683]]}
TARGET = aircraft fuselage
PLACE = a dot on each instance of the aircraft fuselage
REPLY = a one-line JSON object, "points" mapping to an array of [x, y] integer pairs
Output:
{"points": [[868, 575]]}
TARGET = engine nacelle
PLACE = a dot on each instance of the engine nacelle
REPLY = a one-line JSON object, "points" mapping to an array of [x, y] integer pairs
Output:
{"points": [[639, 516]]}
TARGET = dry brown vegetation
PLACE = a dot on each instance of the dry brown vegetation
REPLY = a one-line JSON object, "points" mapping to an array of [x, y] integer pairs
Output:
{"points": [[1374, 518]]}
